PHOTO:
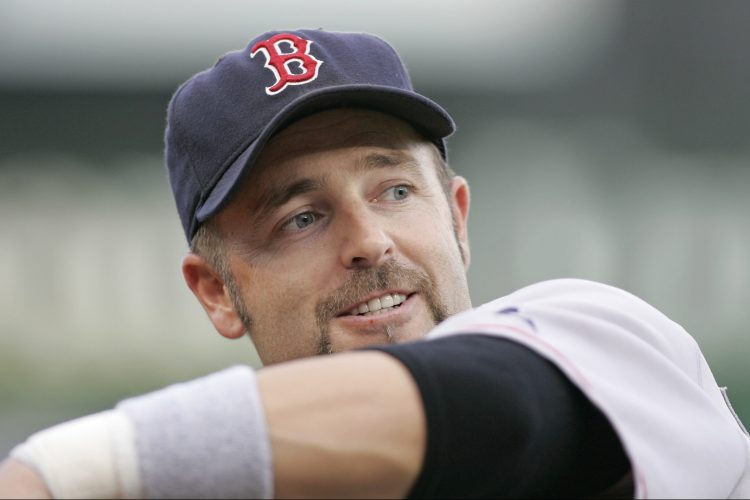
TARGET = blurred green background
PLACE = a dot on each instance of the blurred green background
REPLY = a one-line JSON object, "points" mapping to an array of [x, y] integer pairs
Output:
{"points": [[603, 139]]}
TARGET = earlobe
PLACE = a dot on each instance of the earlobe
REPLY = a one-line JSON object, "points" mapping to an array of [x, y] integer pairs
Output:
{"points": [[460, 203], [208, 287]]}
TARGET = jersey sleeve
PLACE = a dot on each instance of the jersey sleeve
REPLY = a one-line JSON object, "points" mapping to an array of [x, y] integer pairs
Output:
{"points": [[640, 369], [503, 422]]}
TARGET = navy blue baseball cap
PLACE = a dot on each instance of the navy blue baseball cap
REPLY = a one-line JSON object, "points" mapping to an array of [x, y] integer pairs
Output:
{"points": [[220, 119]]}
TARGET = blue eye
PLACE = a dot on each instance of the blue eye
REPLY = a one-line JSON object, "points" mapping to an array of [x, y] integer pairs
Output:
{"points": [[399, 192], [301, 221]]}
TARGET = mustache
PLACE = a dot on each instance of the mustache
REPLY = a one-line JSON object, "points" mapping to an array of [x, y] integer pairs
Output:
{"points": [[364, 281]]}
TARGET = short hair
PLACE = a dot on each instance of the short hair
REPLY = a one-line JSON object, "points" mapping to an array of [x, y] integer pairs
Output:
{"points": [[444, 171], [208, 243]]}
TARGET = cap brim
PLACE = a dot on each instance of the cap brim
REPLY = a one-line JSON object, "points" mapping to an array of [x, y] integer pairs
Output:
{"points": [[426, 116]]}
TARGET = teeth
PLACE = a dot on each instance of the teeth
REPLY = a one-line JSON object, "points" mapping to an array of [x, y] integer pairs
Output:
{"points": [[374, 305], [387, 301]]}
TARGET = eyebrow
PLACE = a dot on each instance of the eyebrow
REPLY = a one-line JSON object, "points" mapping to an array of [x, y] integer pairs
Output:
{"points": [[375, 161], [280, 195]]}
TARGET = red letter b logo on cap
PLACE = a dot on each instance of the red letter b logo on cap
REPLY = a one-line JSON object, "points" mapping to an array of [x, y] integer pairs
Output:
{"points": [[279, 62]]}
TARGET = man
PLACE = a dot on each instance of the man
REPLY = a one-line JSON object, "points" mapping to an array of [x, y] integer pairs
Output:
{"points": [[312, 185]]}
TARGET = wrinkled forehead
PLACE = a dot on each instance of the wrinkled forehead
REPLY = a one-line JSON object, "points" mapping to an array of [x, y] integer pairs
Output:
{"points": [[330, 135], [331, 130]]}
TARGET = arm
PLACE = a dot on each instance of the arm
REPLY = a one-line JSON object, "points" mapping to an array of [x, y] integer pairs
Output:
{"points": [[346, 426], [341, 426], [315, 421], [499, 420], [473, 416], [18, 480]]}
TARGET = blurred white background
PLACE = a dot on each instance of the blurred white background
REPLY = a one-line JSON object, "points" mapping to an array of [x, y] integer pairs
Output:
{"points": [[603, 139]]}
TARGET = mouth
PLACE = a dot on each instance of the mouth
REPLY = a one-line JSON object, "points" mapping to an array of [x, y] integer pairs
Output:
{"points": [[380, 304]]}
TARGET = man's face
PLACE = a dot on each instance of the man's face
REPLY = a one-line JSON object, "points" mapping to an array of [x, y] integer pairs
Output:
{"points": [[344, 213]]}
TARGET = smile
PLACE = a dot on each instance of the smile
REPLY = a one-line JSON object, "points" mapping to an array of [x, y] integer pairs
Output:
{"points": [[378, 305]]}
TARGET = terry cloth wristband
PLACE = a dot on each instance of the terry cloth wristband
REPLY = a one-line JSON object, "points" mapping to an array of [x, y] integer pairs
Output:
{"points": [[229, 456], [201, 439]]}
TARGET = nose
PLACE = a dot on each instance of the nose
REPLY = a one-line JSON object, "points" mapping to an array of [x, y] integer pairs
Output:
{"points": [[366, 241]]}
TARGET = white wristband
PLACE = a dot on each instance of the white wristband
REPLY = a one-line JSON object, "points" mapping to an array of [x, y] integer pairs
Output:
{"points": [[90, 457]]}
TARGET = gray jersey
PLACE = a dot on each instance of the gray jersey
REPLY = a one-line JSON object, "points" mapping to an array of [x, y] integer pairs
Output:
{"points": [[646, 374]]}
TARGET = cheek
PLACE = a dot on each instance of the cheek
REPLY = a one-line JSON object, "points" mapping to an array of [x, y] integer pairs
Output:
{"points": [[431, 244], [281, 301], [292, 280], [431, 232], [273, 295]]}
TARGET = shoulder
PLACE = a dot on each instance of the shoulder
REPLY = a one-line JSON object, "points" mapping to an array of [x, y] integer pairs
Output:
{"points": [[598, 311], [565, 315], [578, 294], [640, 368]]}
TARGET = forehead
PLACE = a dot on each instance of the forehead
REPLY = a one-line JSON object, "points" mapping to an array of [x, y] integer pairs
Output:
{"points": [[330, 138], [329, 131]]}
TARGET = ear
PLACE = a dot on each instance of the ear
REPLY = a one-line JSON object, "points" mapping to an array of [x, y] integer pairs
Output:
{"points": [[460, 201], [208, 287]]}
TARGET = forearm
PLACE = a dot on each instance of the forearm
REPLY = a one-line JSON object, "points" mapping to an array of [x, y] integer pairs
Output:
{"points": [[18, 480], [343, 426], [340, 426]]}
